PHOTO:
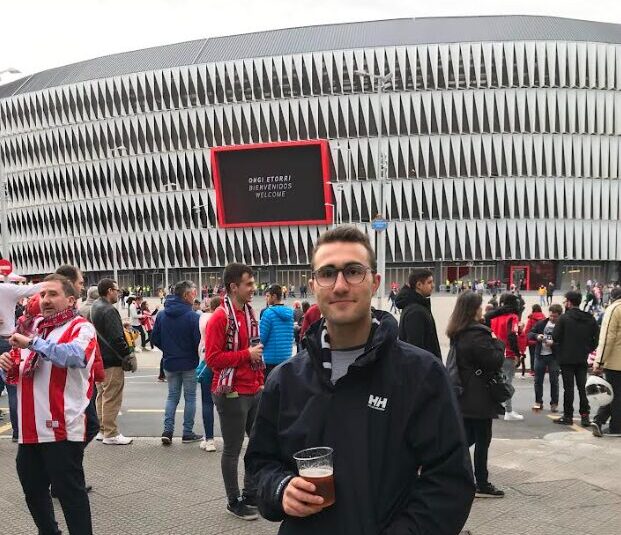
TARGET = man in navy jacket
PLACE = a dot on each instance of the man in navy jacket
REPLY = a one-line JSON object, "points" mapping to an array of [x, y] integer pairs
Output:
{"points": [[177, 334], [386, 408]]}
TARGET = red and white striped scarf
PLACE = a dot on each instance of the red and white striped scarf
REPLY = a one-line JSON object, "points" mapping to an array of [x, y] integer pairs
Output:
{"points": [[225, 380]]}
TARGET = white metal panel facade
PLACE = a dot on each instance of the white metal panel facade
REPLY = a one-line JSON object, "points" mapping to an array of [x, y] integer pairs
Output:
{"points": [[496, 150]]}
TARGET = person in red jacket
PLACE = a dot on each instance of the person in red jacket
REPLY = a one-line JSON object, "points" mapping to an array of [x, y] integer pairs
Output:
{"points": [[504, 322], [533, 318], [312, 315], [234, 352]]}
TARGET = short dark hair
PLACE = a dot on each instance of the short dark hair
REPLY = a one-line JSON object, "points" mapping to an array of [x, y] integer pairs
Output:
{"points": [[537, 308], [104, 286], [182, 287], [575, 298], [67, 285], [348, 234], [555, 309], [305, 306], [418, 275], [233, 274], [70, 272], [615, 293], [276, 290], [214, 302]]}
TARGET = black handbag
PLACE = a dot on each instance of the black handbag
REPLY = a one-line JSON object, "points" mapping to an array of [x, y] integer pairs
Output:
{"points": [[499, 389]]}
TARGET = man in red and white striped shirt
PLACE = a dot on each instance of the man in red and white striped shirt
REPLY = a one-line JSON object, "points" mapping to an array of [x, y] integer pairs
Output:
{"points": [[54, 387]]}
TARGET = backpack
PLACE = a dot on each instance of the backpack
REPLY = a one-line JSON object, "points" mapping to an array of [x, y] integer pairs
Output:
{"points": [[453, 370]]}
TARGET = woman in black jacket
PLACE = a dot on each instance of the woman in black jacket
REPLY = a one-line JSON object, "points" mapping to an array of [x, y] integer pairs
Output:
{"points": [[478, 353]]}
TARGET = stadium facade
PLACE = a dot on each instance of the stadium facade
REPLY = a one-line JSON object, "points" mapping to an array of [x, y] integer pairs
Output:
{"points": [[501, 134]]}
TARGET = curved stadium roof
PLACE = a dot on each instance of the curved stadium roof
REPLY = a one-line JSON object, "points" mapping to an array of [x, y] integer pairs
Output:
{"points": [[393, 32]]}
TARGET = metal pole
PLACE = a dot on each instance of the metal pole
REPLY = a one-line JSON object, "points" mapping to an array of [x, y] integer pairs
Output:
{"points": [[4, 220], [381, 236], [200, 259]]}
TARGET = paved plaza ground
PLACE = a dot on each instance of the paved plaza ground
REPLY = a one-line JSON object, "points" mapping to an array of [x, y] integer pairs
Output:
{"points": [[558, 481]]}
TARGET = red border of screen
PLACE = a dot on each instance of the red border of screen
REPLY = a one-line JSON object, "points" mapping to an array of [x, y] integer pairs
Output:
{"points": [[327, 191]]}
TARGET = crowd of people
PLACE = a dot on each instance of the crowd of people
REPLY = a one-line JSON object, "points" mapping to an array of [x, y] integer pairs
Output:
{"points": [[338, 374]]}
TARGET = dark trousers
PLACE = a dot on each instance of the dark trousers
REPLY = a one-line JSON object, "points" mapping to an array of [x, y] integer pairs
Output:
{"points": [[612, 411], [577, 373], [58, 464], [547, 362], [162, 375], [268, 369], [143, 336], [207, 409], [237, 417], [479, 433], [11, 391]]}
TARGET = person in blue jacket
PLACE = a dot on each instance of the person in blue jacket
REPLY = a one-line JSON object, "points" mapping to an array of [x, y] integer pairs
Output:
{"points": [[276, 330], [176, 333]]}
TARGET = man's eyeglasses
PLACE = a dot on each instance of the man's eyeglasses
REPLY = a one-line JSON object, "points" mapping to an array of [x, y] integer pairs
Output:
{"points": [[353, 274]]}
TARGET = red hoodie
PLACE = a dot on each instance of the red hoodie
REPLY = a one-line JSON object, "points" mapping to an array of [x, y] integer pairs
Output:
{"points": [[532, 320], [505, 327]]}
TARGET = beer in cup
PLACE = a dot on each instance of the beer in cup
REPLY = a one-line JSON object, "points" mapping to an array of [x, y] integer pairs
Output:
{"points": [[315, 466]]}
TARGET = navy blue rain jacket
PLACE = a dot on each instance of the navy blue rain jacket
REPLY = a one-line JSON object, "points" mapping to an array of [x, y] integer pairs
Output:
{"points": [[177, 334]]}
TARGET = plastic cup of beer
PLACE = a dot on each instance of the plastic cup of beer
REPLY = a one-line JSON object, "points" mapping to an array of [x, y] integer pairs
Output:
{"points": [[315, 466]]}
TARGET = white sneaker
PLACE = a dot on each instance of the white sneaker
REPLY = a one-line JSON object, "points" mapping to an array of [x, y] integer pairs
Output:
{"points": [[99, 436], [118, 440], [207, 445], [513, 416], [137, 349]]}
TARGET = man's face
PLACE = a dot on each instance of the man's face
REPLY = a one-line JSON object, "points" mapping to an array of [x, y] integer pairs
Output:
{"points": [[79, 283], [344, 303], [244, 291], [190, 295], [554, 317], [113, 294], [53, 299], [425, 287]]}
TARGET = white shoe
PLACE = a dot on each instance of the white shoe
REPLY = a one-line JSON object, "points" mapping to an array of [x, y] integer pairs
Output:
{"points": [[137, 349], [99, 436], [513, 416], [207, 445], [118, 440]]}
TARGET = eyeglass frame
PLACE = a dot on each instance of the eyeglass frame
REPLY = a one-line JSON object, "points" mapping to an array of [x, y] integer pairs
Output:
{"points": [[341, 271]]}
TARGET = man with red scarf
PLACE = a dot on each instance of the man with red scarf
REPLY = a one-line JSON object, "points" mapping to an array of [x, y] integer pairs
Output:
{"points": [[52, 370]]}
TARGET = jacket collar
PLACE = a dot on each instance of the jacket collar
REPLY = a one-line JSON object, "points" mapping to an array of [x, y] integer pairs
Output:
{"points": [[377, 347], [408, 296]]}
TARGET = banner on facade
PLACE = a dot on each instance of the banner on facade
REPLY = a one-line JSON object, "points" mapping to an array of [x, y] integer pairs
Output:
{"points": [[272, 184]]}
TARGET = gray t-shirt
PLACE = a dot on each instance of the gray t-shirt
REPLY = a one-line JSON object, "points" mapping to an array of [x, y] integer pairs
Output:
{"points": [[342, 359], [547, 335]]}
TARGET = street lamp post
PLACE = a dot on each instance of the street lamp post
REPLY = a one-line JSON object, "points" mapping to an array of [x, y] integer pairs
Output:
{"points": [[119, 150], [167, 187], [381, 83], [4, 221], [334, 214], [197, 209]]}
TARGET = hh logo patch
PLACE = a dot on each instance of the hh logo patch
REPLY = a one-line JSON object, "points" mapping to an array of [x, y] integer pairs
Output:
{"points": [[52, 424], [377, 403]]}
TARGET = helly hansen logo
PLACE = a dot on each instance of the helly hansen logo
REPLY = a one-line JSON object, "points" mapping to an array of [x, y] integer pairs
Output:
{"points": [[377, 403]]}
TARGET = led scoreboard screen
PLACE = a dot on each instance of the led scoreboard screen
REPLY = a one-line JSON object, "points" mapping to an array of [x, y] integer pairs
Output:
{"points": [[272, 184]]}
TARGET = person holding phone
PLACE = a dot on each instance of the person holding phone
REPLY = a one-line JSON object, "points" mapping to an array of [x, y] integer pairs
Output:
{"points": [[234, 352]]}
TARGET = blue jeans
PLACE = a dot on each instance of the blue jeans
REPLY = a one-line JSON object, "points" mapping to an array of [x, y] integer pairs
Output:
{"points": [[541, 363], [207, 404], [11, 391], [176, 380]]}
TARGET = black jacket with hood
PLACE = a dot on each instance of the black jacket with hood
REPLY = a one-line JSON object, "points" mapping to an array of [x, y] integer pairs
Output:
{"points": [[575, 335], [476, 349], [417, 326], [107, 321], [400, 461]]}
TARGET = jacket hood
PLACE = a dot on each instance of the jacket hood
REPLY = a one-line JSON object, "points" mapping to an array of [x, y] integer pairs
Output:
{"points": [[407, 296], [283, 312], [175, 306], [579, 315], [386, 332], [537, 316]]}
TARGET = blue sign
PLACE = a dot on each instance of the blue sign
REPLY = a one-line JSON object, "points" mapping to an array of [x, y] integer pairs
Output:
{"points": [[379, 225]]}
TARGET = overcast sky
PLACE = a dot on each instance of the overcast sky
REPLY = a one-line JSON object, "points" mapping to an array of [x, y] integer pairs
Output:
{"points": [[40, 34]]}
